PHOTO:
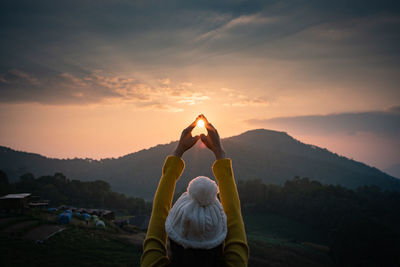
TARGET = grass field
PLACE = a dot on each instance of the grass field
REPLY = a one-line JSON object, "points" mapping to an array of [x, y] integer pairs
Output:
{"points": [[273, 240], [278, 241], [276, 229], [77, 245]]}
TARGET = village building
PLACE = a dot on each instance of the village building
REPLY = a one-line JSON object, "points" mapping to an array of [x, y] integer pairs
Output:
{"points": [[39, 204], [15, 201]]}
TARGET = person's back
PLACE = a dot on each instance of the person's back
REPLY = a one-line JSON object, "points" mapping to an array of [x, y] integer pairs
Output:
{"points": [[202, 230], [195, 257]]}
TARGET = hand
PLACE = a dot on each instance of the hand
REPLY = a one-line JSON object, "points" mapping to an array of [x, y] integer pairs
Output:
{"points": [[212, 140], [187, 140]]}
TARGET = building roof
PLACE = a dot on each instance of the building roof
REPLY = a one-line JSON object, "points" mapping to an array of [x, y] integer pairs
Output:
{"points": [[11, 196], [38, 204]]}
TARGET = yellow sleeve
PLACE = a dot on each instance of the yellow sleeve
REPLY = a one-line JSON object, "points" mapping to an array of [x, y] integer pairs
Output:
{"points": [[236, 250], [154, 246]]}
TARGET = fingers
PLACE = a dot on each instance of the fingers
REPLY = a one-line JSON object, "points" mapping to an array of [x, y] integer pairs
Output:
{"points": [[210, 127], [205, 139], [204, 118], [189, 129], [206, 122], [192, 141], [211, 130], [195, 139], [193, 124]]}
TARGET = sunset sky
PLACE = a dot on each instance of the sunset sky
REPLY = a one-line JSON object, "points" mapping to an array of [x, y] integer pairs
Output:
{"points": [[106, 78]]}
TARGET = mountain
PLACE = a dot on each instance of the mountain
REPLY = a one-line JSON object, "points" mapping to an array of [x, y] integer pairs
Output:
{"points": [[393, 170], [271, 156]]}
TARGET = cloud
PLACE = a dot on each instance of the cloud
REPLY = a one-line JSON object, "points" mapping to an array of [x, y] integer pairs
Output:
{"points": [[156, 106], [248, 102], [237, 22], [331, 42], [98, 87], [234, 98], [77, 30], [15, 76], [183, 93], [385, 123], [193, 99]]}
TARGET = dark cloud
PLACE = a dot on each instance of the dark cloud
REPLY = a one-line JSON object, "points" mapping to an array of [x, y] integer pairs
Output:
{"points": [[81, 26], [48, 38], [17, 86], [15, 76], [385, 123]]}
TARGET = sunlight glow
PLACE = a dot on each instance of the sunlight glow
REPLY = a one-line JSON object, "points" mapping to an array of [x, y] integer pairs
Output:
{"points": [[200, 123]]}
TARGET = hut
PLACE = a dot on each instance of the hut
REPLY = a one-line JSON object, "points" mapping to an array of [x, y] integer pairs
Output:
{"points": [[15, 201], [39, 204], [108, 215]]}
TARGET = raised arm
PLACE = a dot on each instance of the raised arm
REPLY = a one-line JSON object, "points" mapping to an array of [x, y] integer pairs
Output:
{"points": [[236, 251], [154, 246]]}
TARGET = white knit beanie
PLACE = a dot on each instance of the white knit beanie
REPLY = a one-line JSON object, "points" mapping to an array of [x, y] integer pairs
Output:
{"points": [[197, 219]]}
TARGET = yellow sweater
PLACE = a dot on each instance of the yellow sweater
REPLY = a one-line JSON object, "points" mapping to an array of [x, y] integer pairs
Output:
{"points": [[236, 251]]}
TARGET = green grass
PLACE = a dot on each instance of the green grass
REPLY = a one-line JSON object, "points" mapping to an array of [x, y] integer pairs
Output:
{"points": [[277, 241], [123, 217], [76, 246], [14, 220], [272, 255], [277, 229], [23, 230], [272, 239]]}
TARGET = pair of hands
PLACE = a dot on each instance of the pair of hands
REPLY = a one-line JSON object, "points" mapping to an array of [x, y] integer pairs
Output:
{"points": [[211, 140]]}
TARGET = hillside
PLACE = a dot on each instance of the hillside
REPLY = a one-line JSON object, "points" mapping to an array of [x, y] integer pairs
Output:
{"points": [[262, 154], [393, 170]]}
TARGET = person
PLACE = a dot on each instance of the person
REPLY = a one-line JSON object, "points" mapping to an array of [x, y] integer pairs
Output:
{"points": [[201, 231]]}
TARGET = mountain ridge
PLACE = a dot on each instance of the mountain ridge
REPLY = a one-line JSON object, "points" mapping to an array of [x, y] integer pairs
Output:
{"points": [[271, 156]]}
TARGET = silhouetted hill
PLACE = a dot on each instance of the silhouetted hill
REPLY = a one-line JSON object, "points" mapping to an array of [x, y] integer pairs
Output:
{"points": [[271, 156], [393, 170]]}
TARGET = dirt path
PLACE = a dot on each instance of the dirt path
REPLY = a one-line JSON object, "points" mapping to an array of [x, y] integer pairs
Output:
{"points": [[136, 239], [42, 231]]}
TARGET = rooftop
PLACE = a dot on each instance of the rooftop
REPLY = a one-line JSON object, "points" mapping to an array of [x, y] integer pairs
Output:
{"points": [[9, 196]]}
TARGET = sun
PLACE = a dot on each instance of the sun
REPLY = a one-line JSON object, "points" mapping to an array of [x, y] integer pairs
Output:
{"points": [[200, 123]]}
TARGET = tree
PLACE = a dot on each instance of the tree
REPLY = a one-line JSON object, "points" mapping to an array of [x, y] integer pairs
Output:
{"points": [[4, 184], [3, 178], [26, 177]]}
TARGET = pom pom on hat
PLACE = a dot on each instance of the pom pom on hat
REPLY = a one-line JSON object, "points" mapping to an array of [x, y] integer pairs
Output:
{"points": [[203, 190], [197, 219]]}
